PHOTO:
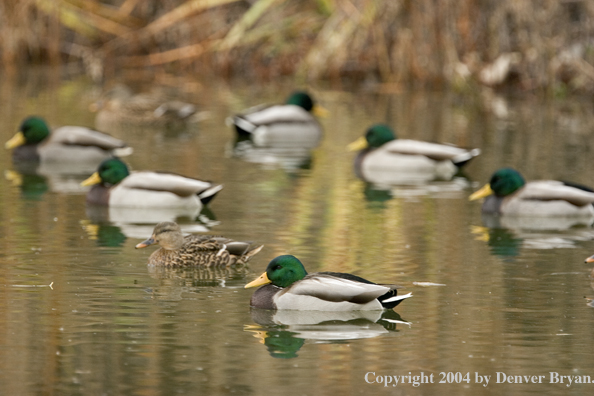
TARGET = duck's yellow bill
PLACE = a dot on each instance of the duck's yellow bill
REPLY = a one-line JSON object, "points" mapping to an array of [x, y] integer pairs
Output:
{"points": [[14, 177], [16, 141], [482, 193], [358, 144], [92, 180], [482, 233], [262, 280], [590, 259], [320, 111]]}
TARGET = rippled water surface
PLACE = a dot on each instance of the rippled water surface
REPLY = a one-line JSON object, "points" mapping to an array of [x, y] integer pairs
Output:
{"points": [[81, 313]]}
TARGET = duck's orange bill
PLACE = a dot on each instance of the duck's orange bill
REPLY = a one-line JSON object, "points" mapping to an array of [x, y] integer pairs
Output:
{"points": [[262, 280], [146, 243], [590, 259]]}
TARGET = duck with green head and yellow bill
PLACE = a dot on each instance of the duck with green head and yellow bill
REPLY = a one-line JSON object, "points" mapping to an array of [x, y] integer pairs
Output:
{"points": [[195, 250], [507, 193], [286, 125], [68, 144], [287, 285], [115, 185], [385, 159]]}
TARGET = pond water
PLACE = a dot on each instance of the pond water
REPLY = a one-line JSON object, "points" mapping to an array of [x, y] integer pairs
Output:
{"points": [[81, 313]]}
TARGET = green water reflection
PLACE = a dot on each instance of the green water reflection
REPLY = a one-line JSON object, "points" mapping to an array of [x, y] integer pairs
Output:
{"points": [[513, 299]]}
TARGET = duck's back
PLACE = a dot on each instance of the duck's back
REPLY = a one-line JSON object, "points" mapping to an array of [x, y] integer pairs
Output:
{"points": [[153, 189], [80, 145], [547, 198]]}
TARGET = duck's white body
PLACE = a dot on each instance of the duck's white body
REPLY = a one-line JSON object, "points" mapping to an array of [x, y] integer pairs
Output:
{"points": [[547, 198], [74, 149], [403, 161], [147, 189], [153, 189], [321, 292], [280, 126]]}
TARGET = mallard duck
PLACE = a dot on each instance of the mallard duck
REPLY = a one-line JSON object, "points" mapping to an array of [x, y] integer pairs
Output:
{"points": [[384, 159], [205, 250], [74, 144], [508, 194], [114, 185], [119, 107], [289, 125], [288, 286]]}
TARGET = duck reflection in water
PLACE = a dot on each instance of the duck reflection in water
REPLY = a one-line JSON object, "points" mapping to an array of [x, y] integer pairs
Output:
{"points": [[175, 283], [138, 223], [508, 242], [284, 332], [32, 185]]}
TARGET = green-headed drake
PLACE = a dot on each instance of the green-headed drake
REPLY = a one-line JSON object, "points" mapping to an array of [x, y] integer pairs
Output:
{"points": [[287, 125], [507, 193], [68, 144], [383, 158], [288, 286], [114, 185], [203, 250]]}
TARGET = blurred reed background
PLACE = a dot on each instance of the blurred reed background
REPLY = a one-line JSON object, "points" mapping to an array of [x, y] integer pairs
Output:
{"points": [[535, 45]]}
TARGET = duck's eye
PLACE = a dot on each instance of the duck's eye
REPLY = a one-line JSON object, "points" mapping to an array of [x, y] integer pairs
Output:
{"points": [[277, 267]]}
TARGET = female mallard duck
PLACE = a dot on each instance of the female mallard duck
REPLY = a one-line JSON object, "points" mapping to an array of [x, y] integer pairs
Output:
{"points": [[204, 250], [383, 158], [114, 185], [74, 144], [289, 286], [119, 107], [288, 125], [508, 194]]}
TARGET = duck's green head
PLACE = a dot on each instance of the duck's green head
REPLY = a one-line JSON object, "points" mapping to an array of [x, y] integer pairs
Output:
{"points": [[110, 172], [33, 130], [282, 271], [302, 99], [504, 182], [376, 136]]}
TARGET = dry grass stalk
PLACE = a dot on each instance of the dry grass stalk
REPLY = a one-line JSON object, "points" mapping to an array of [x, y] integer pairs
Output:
{"points": [[449, 41]]}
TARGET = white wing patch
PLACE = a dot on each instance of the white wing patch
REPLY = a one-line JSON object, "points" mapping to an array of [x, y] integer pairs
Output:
{"points": [[549, 190], [279, 113], [154, 181], [81, 136], [337, 289], [435, 151]]}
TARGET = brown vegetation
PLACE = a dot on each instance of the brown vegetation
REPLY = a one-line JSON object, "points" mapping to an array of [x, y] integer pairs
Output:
{"points": [[531, 43]]}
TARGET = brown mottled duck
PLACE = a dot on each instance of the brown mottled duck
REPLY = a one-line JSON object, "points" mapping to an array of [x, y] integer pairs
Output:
{"points": [[195, 250]]}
